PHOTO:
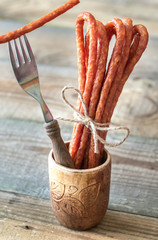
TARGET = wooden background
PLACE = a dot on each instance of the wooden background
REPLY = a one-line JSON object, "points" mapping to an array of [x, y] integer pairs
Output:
{"points": [[24, 145]]}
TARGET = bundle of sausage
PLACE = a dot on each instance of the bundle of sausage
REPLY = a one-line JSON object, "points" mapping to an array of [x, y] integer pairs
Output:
{"points": [[99, 84]]}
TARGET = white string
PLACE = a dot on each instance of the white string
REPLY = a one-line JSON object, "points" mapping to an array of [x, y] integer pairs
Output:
{"points": [[90, 123]]}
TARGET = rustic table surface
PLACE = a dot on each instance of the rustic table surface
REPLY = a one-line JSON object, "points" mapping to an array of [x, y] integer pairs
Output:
{"points": [[25, 210]]}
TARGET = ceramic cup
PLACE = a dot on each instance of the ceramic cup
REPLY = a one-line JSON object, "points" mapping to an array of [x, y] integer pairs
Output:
{"points": [[79, 198]]}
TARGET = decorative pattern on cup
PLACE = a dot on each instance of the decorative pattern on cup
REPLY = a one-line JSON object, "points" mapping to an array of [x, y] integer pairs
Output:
{"points": [[73, 201]]}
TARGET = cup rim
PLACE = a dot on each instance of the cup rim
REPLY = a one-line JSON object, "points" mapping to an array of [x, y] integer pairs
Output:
{"points": [[72, 170]]}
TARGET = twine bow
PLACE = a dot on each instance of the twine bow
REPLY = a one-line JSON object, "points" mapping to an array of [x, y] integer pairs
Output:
{"points": [[90, 123]]}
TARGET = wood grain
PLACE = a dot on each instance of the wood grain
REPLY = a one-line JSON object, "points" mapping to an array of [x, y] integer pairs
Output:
{"points": [[58, 68], [25, 212], [60, 150], [24, 167], [31, 218], [142, 11], [79, 198]]}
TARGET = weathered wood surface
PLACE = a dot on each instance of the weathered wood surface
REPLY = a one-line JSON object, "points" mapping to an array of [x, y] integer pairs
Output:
{"points": [[24, 145], [142, 11], [58, 68], [24, 168], [31, 218]]}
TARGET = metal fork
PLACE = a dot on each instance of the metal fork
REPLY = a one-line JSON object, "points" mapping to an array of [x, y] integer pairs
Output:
{"points": [[25, 70], [27, 75]]}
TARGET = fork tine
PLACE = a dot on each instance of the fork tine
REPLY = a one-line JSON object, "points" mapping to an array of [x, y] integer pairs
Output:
{"points": [[18, 53], [23, 50], [12, 58], [29, 48]]}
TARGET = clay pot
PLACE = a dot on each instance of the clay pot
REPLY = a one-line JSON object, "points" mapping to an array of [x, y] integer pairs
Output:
{"points": [[79, 197]]}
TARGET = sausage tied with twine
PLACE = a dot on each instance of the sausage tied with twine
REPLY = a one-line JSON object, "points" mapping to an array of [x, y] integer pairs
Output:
{"points": [[99, 84]]}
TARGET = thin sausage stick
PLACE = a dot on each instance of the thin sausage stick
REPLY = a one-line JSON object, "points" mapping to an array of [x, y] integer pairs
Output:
{"points": [[101, 66], [115, 59], [113, 96], [102, 54], [134, 58], [85, 78], [140, 36], [38, 23], [118, 28], [118, 78]]}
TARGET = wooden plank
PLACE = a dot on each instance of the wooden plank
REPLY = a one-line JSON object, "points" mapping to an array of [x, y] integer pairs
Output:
{"points": [[22, 231], [56, 69], [56, 59], [23, 159], [143, 11], [134, 174], [31, 218]]}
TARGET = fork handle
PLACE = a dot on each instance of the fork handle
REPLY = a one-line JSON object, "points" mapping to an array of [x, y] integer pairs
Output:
{"points": [[60, 151]]}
